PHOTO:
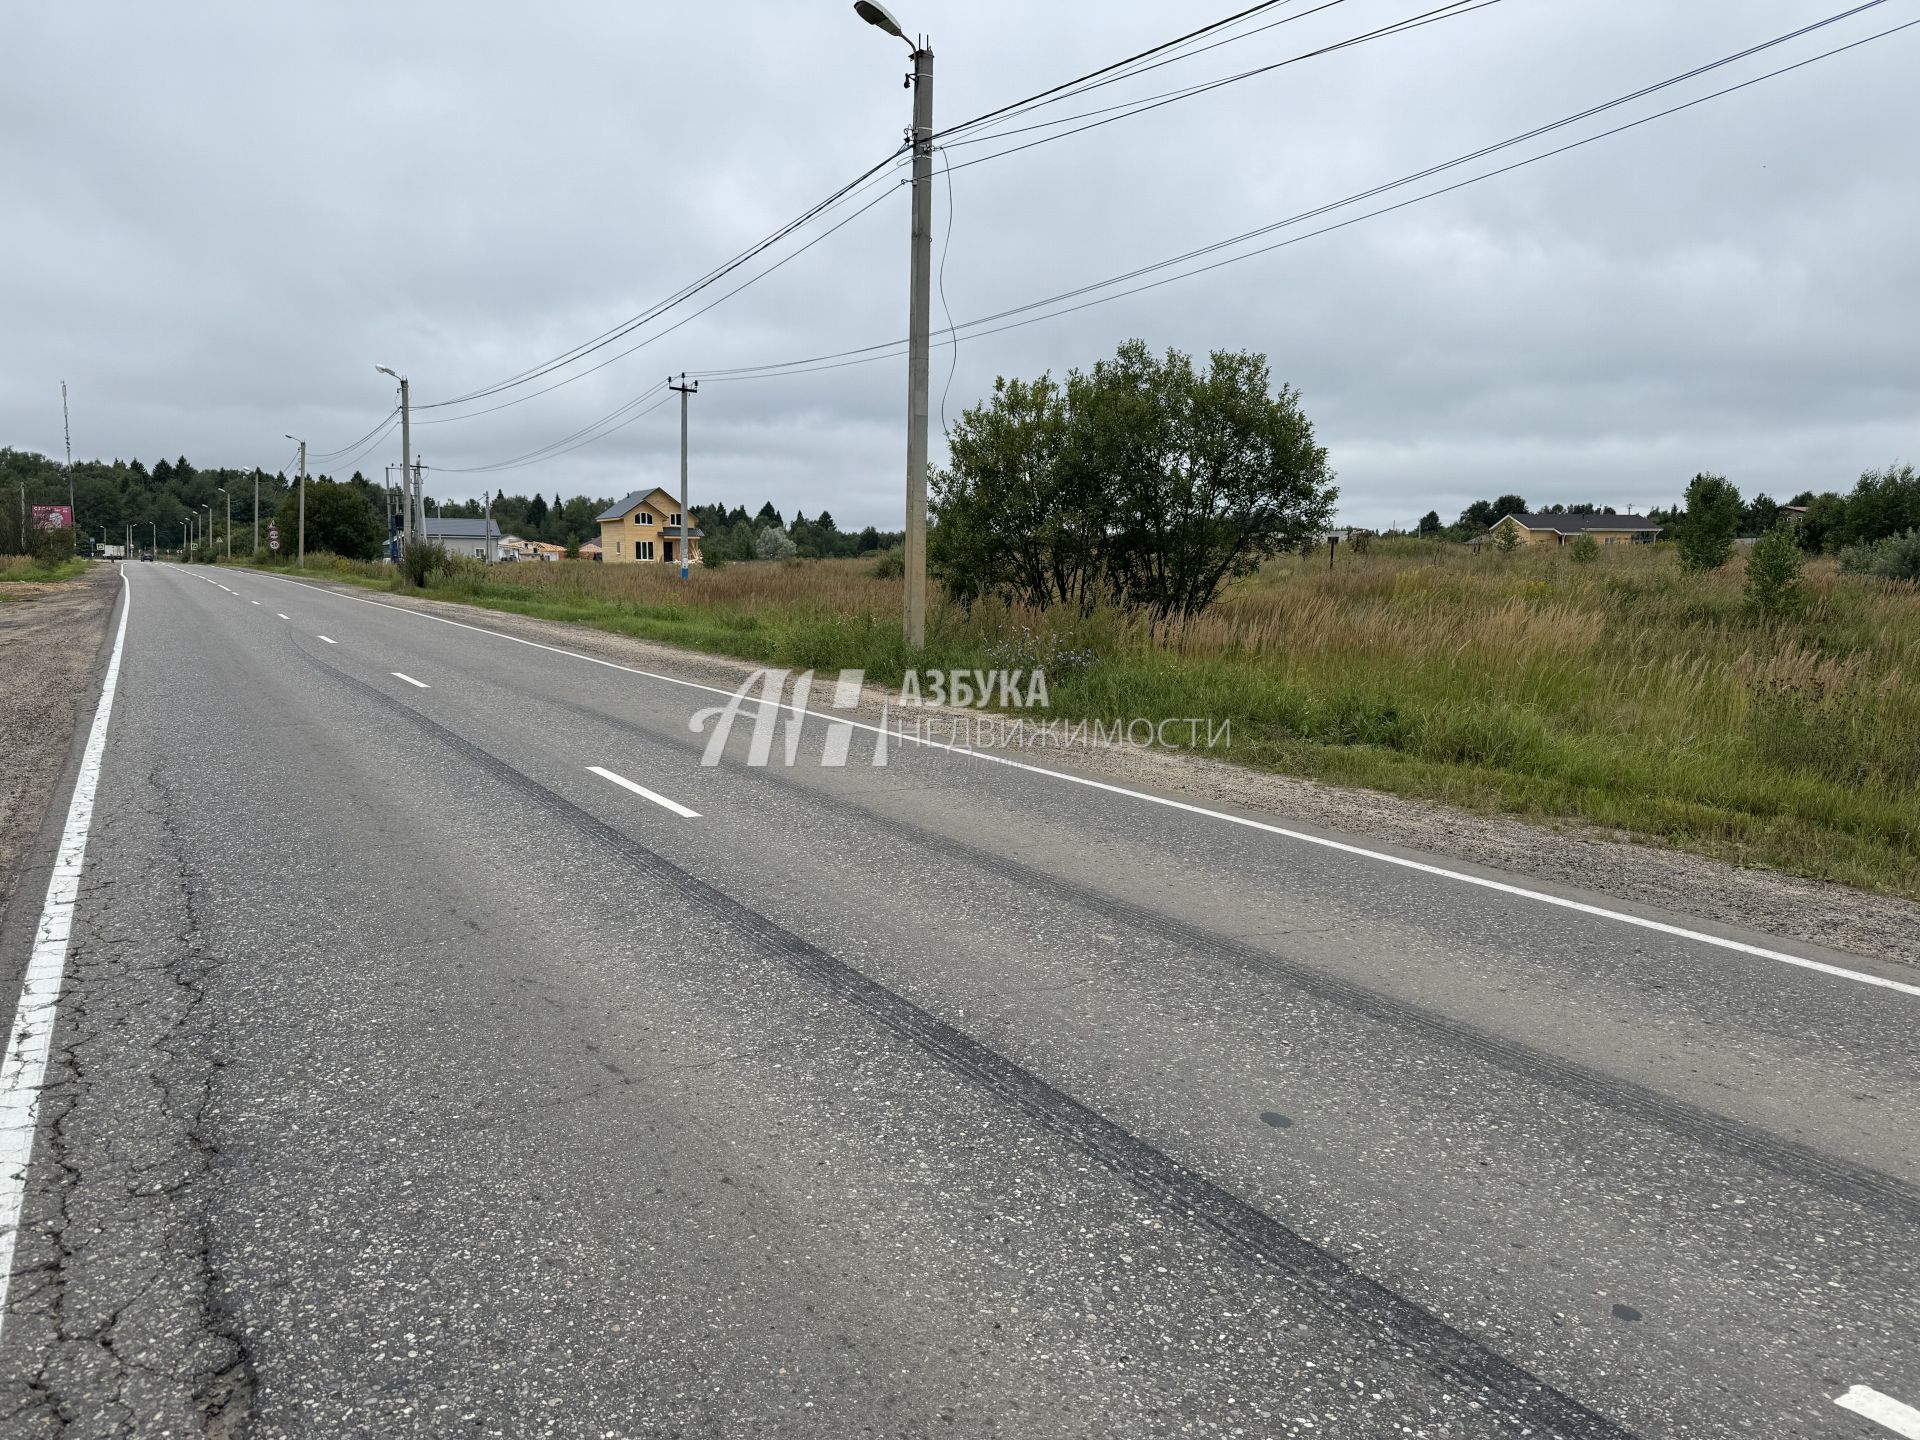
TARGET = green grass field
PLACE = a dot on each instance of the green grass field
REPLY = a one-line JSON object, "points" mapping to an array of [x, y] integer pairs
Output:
{"points": [[26, 568], [1626, 694]]}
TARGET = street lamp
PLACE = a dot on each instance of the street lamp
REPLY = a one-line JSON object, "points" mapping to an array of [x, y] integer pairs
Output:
{"points": [[407, 481], [877, 15], [919, 312], [223, 490]]}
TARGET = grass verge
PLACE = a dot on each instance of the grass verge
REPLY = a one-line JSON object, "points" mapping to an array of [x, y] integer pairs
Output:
{"points": [[26, 569]]}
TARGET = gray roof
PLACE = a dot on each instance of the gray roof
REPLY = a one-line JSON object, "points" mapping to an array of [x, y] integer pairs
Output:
{"points": [[1576, 524], [452, 529], [619, 511]]}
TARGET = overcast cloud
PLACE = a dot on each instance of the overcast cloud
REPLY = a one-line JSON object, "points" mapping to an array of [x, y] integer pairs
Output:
{"points": [[218, 218]]}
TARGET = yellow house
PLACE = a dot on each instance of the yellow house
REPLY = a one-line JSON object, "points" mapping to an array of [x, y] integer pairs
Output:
{"points": [[1560, 529], [647, 526]]}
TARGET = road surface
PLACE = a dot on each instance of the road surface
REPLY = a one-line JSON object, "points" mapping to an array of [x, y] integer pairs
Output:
{"points": [[442, 1049]]}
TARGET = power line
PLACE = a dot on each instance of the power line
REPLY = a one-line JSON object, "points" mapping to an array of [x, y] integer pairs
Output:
{"points": [[579, 438], [1107, 69], [684, 320], [886, 350], [1170, 59], [865, 180], [1452, 10], [356, 444], [685, 293]]}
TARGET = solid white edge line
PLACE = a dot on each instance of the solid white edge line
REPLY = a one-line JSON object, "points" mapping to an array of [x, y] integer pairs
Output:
{"points": [[399, 675], [1247, 822], [1882, 1410], [329, 639], [24, 1068], [645, 794]]}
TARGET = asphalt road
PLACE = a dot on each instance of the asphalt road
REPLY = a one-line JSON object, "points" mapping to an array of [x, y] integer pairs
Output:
{"points": [[413, 1077]]}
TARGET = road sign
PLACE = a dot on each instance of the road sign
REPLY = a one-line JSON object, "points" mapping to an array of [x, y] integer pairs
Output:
{"points": [[273, 541]]}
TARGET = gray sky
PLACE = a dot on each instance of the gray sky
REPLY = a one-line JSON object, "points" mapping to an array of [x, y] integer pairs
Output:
{"points": [[218, 217]]}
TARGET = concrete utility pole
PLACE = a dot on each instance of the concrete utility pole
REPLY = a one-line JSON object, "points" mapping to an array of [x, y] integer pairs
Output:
{"points": [[66, 424], [256, 510], [407, 471], [686, 515], [920, 311], [223, 490], [919, 315], [420, 500], [303, 496]]}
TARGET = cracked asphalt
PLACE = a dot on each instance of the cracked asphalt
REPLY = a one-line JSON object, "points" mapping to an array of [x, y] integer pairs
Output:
{"points": [[413, 1079]]}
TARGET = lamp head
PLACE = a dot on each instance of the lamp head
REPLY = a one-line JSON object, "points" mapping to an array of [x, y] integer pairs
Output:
{"points": [[877, 15]]}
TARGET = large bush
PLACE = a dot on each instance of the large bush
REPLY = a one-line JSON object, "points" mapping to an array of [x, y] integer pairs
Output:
{"points": [[1145, 482], [1706, 532]]}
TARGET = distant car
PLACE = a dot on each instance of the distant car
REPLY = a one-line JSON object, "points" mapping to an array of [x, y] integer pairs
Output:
{"points": [[146, 554]]}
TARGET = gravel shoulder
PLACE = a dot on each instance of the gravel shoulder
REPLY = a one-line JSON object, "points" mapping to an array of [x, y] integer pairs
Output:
{"points": [[1815, 912], [51, 637]]}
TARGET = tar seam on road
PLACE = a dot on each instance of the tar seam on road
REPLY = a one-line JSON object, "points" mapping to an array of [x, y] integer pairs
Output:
{"points": [[1267, 1243], [1751, 1144], [1882, 1410], [25, 1066], [1518, 891]]}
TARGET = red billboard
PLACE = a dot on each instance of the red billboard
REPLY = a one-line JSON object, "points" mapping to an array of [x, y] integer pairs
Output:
{"points": [[53, 517]]}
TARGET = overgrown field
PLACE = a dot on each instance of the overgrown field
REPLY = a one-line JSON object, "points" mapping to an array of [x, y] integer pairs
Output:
{"points": [[29, 569], [1625, 694]]}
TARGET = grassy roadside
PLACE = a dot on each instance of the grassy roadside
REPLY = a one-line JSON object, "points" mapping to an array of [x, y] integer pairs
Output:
{"points": [[1625, 695], [25, 569]]}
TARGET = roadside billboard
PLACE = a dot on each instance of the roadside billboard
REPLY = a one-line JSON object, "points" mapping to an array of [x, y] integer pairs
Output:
{"points": [[53, 517]]}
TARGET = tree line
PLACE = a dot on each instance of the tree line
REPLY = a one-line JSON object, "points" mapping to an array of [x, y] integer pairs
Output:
{"points": [[1882, 504], [352, 516]]}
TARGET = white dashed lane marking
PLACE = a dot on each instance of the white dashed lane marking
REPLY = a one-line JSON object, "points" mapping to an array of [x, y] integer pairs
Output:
{"points": [[1882, 1410], [645, 794], [411, 681]]}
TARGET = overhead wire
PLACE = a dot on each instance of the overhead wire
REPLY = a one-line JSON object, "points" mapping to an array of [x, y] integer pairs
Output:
{"points": [[586, 435], [352, 445], [684, 320], [1068, 85], [974, 328], [1452, 10], [679, 297]]}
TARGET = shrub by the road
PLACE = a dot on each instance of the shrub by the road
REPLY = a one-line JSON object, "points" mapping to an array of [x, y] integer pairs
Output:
{"points": [[1144, 483]]}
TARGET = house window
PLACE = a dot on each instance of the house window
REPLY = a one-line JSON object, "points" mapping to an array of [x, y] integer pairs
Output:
{"points": [[643, 517], [674, 519], [616, 546], [479, 552], [643, 549]]}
